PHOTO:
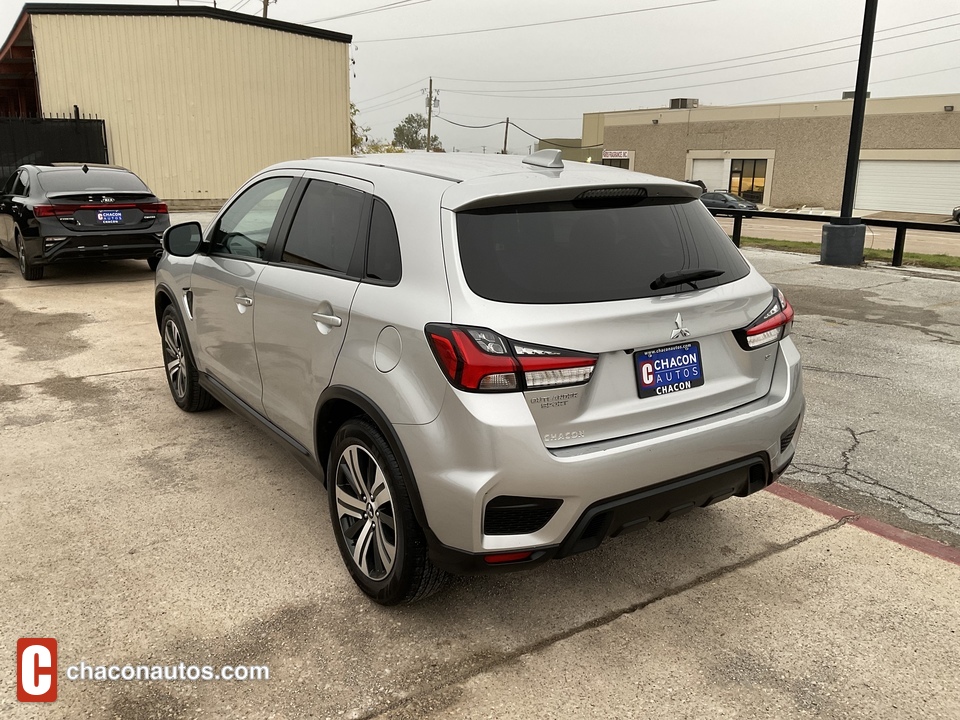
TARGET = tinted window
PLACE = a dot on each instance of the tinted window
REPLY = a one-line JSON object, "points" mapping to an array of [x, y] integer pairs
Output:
{"points": [[21, 185], [244, 228], [325, 229], [560, 253], [94, 180], [383, 249]]}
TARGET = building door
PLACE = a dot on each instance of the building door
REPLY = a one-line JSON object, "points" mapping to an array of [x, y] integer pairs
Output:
{"points": [[924, 186], [710, 172], [748, 179]]}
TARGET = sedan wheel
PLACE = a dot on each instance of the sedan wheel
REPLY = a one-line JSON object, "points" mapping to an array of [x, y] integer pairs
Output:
{"points": [[27, 269]]}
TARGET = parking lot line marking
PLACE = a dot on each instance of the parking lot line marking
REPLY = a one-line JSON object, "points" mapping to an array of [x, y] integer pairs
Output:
{"points": [[872, 525]]}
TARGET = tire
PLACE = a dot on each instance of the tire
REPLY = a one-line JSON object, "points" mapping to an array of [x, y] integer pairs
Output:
{"points": [[27, 268], [182, 376], [382, 545], [152, 262]]}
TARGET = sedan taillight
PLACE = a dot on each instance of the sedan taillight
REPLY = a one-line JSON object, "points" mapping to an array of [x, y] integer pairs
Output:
{"points": [[773, 325], [479, 360], [54, 210]]}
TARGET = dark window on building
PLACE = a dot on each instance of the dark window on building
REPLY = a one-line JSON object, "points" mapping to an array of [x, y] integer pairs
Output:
{"points": [[325, 229], [748, 178], [617, 162], [383, 249]]}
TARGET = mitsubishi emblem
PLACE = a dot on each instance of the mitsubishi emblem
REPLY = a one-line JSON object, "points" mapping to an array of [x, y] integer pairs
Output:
{"points": [[681, 331]]}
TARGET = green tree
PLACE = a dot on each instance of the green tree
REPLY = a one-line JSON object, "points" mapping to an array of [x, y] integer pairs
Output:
{"points": [[411, 133], [380, 145], [358, 133]]}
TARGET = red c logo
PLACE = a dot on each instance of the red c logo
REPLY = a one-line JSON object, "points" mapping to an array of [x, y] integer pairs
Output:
{"points": [[36, 669], [646, 373]]}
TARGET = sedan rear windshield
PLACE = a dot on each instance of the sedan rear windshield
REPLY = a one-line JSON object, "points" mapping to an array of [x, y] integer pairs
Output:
{"points": [[567, 253], [94, 180]]}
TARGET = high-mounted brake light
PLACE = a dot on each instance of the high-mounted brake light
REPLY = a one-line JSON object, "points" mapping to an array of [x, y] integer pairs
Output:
{"points": [[480, 360], [773, 325]]}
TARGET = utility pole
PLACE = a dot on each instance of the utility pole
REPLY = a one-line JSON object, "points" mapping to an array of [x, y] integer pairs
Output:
{"points": [[842, 239], [265, 3], [506, 129], [429, 112]]}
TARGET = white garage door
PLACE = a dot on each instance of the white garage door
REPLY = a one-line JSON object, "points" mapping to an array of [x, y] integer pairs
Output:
{"points": [[711, 172], [925, 186]]}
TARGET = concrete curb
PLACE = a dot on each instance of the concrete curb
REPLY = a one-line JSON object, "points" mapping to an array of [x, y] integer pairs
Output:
{"points": [[871, 525]]}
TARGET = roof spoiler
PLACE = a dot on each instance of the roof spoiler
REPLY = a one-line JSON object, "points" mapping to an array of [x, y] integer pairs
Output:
{"points": [[545, 159]]}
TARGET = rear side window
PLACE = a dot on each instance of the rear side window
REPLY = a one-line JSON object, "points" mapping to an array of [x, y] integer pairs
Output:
{"points": [[94, 180], [565, 253], [325, 229], [383, 249]]}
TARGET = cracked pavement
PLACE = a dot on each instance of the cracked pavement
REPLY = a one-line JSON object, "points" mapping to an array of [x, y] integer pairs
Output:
{"points": [[134, 533], [881, 356]]}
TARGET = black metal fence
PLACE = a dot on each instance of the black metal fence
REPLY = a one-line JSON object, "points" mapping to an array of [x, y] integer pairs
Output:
{"points": [[901, 226], [33, 140]]}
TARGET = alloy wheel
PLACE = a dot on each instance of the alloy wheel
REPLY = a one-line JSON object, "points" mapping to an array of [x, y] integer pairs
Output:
{"points": [[173, 358], [365, 512]]}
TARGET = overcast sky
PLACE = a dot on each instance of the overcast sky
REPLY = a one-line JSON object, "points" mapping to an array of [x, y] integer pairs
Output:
{"points": [[544, 73]]}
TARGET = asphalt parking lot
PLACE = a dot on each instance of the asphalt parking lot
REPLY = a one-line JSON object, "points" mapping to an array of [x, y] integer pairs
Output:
{"points": [[136, 534]]}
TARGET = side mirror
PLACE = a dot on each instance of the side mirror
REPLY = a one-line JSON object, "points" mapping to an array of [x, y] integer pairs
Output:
{"points": [[183, 240]]}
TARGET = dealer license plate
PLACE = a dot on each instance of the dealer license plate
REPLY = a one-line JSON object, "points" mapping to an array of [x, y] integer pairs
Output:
{"points": [[109, 217], [670, 369]]}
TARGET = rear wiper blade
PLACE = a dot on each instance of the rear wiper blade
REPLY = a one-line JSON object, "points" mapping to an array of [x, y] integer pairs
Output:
{"points": [[685, 277]]}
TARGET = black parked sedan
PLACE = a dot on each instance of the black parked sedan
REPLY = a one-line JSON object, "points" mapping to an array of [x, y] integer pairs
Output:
{"points": [[726, 200], [50, 213]]}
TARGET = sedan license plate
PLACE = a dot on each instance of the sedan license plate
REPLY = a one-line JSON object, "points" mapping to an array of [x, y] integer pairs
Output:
{"points": [[669, 369], [109, 217]]}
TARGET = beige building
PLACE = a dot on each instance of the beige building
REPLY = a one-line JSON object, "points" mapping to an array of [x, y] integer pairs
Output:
{"points": [[194, 99], [794, 154]]}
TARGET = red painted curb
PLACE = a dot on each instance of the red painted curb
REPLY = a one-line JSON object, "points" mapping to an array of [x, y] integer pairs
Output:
{"points": [[871, 525]]}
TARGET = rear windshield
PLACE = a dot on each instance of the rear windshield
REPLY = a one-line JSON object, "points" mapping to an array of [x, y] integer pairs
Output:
{"points": [[94, 180], [566, 253]]}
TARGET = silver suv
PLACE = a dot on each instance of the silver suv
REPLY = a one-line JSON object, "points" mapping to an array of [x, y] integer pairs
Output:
{"points": [[493, 361]]}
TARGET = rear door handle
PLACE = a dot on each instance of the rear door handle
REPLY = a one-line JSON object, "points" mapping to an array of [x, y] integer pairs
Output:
{"points": [[331, 320]]}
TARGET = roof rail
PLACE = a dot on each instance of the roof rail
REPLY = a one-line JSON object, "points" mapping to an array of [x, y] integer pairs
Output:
{"points": [[546, 159]]}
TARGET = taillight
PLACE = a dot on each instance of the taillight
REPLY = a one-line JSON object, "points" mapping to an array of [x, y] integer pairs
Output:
{"points": [[480, 360], [152, 208], [773, 325], [54, 210]]}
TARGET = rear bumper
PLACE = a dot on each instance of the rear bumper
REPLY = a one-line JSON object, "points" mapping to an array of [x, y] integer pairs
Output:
{"points": [[475, 452], [44, 251], [611, 517]]}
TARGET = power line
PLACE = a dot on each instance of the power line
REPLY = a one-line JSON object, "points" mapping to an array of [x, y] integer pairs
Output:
{"points": [[399, 5], [713, 69], [526, 132], [539, 24], [686, 67], [846, 87], [480, 93], [404, 87], [391, 103]]}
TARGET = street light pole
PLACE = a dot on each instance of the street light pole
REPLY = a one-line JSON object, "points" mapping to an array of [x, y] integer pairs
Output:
{"points": [[842, 240], [859, 109]]}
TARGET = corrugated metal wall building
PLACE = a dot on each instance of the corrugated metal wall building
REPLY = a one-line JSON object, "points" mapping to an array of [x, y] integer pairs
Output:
{"points": [[194, 99]]}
